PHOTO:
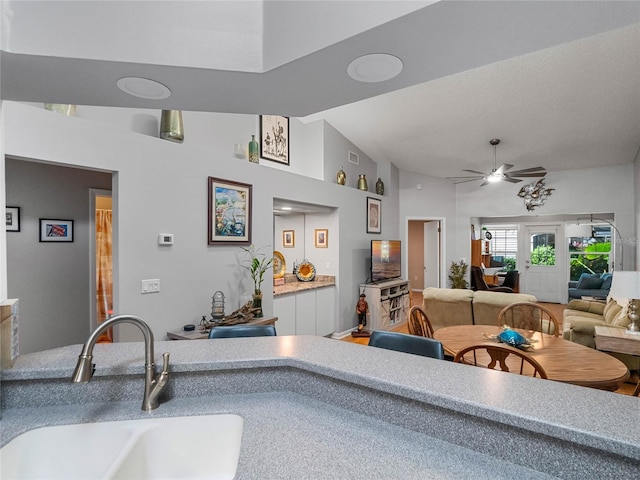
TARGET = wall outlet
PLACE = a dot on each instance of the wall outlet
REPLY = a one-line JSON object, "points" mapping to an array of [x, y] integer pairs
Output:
{"points": [[150, 286]]}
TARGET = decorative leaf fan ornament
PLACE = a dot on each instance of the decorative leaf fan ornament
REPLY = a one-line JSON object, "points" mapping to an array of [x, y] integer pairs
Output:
{"points": [[499, 174]]}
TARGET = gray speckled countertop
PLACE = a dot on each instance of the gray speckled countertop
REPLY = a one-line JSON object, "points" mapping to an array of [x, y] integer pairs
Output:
{"points": [[313, 405]]}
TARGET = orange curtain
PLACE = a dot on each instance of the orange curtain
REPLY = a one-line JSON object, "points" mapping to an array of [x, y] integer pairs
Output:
{"points": [[104, 270]]}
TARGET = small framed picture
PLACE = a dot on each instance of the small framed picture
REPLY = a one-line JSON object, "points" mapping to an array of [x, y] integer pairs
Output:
{"points": [[288, 238], [322, 238], [13, 219], [374, 207], [229, 208], [52, 230], [274, 138], [354, 157]]}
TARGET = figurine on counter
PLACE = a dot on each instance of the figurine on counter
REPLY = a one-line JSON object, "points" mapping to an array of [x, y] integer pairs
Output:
{"points": [[362, 309]]}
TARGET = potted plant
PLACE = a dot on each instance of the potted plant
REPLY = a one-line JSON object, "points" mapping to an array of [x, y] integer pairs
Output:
{"points": [[257, 264], [457, 274]]}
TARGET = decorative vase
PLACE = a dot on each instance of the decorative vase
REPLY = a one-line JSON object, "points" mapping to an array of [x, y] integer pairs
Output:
{"points": [[171, 127], [257, 305], [362, 183], [380, 187], [253, 150], [341, 178]]}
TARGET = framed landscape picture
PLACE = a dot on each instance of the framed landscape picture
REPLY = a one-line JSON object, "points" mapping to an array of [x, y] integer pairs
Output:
{"points": [[229, 212], [274, 138], [288, 238], [374, 206], [56, 230], [13, 219], [322, 238]]}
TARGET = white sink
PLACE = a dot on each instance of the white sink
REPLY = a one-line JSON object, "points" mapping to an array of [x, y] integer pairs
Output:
{"points": [[178, 447]]}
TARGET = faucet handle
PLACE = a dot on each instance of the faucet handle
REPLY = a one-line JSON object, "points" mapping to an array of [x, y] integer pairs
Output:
{"points": [[165, 362]]}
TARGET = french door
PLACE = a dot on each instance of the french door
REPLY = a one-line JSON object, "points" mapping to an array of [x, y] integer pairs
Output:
{"points": [[544, 263]]}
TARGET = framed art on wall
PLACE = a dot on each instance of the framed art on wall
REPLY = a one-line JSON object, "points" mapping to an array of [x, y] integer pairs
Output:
{"points": [[274, 138], [229, 207], [374, 207], [56, 230], [13, 219], [322, 238], [288, 238]]}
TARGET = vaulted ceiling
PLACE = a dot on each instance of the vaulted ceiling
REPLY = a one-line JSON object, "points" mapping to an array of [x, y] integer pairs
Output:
{"points": [[558, 82]]}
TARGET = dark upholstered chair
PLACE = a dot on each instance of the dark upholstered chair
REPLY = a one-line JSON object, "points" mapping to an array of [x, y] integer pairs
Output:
{"points": [[511, 279], [232, 331], [402, 342], [478, 283]]}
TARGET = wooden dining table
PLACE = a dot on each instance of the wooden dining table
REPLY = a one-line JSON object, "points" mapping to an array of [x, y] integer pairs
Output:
{"points": [[562, 360]]}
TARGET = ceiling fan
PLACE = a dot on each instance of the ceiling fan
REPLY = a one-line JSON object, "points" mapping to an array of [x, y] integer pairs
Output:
{"points": [[500, 174]]}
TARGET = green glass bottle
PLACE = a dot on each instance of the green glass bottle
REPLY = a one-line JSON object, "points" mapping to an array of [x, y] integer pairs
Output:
{"points": [[253, 150]]}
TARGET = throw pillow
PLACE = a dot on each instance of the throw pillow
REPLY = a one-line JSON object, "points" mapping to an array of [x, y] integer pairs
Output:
{"points": [[611, 311], [589, 282], [607, 278], [621, 319]]}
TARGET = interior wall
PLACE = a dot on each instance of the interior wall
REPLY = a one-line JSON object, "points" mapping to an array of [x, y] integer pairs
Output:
{"points": [[51, 279], [161, 186], [290, 222]]}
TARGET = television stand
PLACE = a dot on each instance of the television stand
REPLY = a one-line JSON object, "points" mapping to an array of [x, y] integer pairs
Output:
{"points": [[389, 302]]}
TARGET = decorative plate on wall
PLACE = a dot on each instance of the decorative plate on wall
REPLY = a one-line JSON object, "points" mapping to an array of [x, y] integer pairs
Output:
{"points": [[305, 271], [279, 264]]}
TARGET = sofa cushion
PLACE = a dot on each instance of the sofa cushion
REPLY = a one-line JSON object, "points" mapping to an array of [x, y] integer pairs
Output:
{"points": [[621, 319], [487, 305], [447, 306], [610, 311], [589, 281], [587, 306]]}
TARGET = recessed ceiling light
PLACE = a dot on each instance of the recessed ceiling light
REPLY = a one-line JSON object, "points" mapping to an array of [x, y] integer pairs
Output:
{"points": [[143, 88], [376, 67]]}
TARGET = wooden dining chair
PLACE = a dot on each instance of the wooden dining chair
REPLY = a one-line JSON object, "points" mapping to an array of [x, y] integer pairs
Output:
{"points": [[529, 316], [419, 323], [495, 355], [402, 342]]}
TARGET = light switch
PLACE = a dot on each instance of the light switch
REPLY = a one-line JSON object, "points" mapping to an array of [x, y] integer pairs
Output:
{"points": [[150, 286]]}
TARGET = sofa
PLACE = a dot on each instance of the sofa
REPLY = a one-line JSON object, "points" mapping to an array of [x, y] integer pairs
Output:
{"points": [[446, 307], [591, 285], [581, 316]]}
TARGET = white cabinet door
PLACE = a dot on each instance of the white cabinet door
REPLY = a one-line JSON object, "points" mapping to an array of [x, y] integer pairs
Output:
{"points": [[325, 311], [306, 313], [285, 309]]}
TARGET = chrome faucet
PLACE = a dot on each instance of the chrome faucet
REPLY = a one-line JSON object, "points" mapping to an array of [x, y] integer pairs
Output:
{"points": [[152, 385]]}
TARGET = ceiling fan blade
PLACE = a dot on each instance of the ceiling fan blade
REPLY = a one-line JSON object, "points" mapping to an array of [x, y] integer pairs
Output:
{"points": [[486, 182], [475, 171], [477, 177], [511, 180], [539, 174], [527, 170], [503, 168]]}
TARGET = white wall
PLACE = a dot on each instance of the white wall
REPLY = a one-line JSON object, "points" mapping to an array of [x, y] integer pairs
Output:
{"points": [[161, 186], [51, 279]]}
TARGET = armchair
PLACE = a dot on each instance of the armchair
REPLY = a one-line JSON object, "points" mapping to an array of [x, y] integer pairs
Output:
{"points": [[478, 282]]}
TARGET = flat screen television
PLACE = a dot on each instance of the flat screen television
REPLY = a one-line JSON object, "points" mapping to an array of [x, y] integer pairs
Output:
{"points": [[385, 260]]}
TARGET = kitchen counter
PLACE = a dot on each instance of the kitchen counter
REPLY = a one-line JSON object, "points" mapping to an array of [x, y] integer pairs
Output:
{"points": [[320, 408], [293, 285]]}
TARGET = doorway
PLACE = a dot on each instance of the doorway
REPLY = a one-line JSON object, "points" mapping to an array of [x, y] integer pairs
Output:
{"points": [[101, 268], [544, 263], [424, 253]]}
